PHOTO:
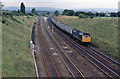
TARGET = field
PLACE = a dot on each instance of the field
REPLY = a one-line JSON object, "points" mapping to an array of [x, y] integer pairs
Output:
{"points": [[17, 60], [104, 31]]}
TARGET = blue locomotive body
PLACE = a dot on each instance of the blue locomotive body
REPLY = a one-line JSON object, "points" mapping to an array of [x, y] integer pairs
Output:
{"points": [[77, 34]]}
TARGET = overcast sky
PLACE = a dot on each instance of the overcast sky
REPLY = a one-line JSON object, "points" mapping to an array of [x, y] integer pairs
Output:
{"points": [[69, 4]]}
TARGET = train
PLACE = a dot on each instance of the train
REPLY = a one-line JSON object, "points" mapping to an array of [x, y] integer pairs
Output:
{"points": [[80, 36]]}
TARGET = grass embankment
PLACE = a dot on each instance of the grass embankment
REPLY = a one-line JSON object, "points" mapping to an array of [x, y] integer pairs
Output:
{"points": [[104, 31], [17, 60]]}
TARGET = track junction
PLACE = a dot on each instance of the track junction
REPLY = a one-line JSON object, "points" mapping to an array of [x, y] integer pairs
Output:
{"points": [[58, 55]]}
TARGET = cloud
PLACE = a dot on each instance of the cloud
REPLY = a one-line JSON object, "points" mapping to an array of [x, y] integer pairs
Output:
{"points": [[64, 3]]}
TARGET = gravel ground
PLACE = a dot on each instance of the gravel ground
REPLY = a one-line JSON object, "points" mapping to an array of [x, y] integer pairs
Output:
{"points": [[87, 68]]}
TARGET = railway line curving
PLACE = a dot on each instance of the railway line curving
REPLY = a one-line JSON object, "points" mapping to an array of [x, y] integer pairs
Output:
{"points": [[106, 66]]}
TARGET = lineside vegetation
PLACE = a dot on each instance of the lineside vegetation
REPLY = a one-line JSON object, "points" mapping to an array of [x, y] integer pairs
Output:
{"points": [[17, 60]]}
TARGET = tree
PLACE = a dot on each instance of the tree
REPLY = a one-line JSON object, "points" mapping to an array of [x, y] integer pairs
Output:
{"points": [[90, 14], [71, 12], [56, 13], [48, 13], [118, 13], [102, 14], [97, 14], [113, 14], [18, 11], [82, 16], [68, 12], [22, 8], [33, 10], [77, 13], [1, 6], [64, 12]]}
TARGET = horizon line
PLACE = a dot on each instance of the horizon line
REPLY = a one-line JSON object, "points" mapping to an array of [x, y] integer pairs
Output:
{"points": [[68, 8]]}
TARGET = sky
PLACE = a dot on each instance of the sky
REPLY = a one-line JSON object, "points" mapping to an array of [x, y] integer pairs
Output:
{"points": [[63, 4]]}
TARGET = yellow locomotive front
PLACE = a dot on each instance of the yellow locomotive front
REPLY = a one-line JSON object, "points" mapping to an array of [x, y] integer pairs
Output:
{"points": [[86, 38]]}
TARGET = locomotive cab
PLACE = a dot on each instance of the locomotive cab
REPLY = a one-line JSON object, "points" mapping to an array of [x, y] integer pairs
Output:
{"points": [[81, 36], [86, 38]]}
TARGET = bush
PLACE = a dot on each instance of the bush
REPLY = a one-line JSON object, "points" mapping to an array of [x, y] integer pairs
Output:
{"points": [[91, 17], [3, 21], [82, 16], [88, 16], [6, 23], [28, 17], [56, 13]]}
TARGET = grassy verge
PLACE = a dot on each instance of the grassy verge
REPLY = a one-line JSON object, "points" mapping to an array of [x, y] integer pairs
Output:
{"points": [[104, 31], [17, 58]]}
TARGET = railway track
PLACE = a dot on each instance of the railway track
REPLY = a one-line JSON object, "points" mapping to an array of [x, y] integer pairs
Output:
{"points": [[107, 69], [112, 61], [110, 66], [75, 72], [48, 61]]}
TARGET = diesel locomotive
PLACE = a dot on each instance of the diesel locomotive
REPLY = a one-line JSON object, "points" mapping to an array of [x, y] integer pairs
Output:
{"points": [[83, 37]]}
